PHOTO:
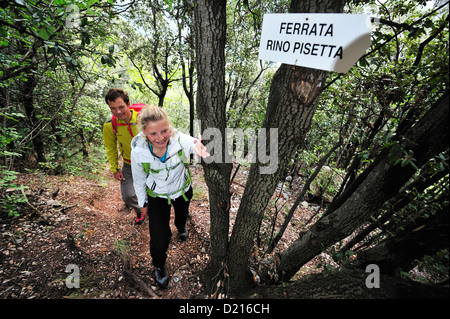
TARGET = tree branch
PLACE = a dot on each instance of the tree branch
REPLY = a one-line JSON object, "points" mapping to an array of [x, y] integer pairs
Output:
{"points": [[427, 41]]}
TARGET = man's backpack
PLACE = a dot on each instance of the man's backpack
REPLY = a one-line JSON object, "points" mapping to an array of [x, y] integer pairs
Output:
{"points": [[137, 107]]}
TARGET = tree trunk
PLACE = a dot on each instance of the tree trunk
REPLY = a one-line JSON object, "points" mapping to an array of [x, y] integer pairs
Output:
{"points": [[399, 252], [348, 284], [382, 182], [290, 109], [427, 178], [27, 89], [184, 19], [210, 28]]}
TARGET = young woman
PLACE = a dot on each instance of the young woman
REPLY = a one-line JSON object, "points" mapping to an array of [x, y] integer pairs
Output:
{"points": [[161, 179]]}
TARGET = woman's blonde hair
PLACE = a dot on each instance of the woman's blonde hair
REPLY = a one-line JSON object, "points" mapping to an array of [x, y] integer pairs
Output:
{"points": [[151, 113]]}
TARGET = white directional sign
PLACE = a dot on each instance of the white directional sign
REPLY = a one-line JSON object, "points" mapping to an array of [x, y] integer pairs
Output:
{"points": [[324, 41]]}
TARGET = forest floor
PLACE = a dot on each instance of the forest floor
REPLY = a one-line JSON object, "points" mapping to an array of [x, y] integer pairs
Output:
{"points": [[76, 225]]}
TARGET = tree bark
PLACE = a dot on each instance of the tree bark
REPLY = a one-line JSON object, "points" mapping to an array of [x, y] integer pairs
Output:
{"points": [[423, 181], [426, 139], [290, 109], [348, 284], [210, 28], [398, 253], [27, 90]]}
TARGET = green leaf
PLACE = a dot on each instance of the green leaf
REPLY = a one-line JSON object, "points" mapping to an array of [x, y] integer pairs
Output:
{"points": [[395, 153], [44, 34]]}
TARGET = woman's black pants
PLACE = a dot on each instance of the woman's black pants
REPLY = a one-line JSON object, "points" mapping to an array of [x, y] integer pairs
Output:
{"points": [[159, 219]]}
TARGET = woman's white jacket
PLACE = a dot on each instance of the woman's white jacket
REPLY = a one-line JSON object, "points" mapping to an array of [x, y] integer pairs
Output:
{"points": [[164, 178]]}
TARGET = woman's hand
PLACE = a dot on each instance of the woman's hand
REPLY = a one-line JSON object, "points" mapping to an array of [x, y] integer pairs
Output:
{"points": [[200, 149]]}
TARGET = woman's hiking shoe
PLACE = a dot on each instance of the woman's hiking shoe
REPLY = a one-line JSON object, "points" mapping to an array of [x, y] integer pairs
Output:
{"points": [[183, 234], [162, 276], [140, 218]]}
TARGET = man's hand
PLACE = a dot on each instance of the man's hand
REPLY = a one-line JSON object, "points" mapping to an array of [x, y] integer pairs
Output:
{"points": [[119, 176]]}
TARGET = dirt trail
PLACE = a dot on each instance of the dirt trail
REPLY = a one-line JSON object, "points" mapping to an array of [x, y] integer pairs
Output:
{"points": [[76, 221], [83, 223]]}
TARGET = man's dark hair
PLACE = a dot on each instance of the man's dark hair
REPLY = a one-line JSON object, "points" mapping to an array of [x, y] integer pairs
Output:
{"points": [[113, 94]]}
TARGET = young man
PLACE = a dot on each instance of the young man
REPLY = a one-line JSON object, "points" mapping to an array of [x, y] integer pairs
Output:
{"points": [[126, 128]]}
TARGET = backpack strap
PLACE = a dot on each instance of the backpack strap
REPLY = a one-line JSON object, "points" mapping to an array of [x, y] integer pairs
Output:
{"points": [[185, 161], [114, 124], [146, 167]]}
